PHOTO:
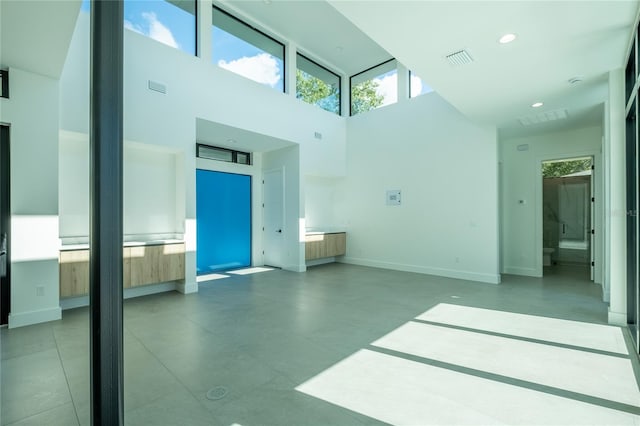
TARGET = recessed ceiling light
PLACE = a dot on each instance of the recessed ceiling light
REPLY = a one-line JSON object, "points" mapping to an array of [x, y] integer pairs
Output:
{"points": [[231, 141], [507, 38], [537, 105], [339, 49], [266, 1]]}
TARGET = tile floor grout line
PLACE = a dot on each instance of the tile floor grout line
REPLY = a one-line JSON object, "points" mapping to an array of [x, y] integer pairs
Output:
{"points": [[66, 378], [563, 393], [523, 338], [185, 387]]}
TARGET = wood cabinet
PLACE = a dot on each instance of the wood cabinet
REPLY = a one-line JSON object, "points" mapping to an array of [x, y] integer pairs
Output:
{"points": [[141, 265], [318, 246]]}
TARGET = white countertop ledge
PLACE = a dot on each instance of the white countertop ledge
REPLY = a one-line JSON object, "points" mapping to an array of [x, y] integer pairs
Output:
{"points": [[67, 247]]}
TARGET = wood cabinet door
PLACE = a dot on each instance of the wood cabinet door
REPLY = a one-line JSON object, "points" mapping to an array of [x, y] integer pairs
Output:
{"points": [[74, 273]]}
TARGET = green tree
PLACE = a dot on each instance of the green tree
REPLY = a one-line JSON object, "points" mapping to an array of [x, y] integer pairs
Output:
{"points": [[563, 168], [310, 89], [364, 97], [317, 92]]}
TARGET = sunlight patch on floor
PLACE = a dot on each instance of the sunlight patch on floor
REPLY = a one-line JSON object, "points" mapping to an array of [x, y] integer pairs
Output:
{"points": [[588, 373], [441, 375], [403, 392], [209, 277], [249, 271], [592, 336]]}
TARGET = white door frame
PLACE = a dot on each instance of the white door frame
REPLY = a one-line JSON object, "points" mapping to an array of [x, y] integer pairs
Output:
{"points": [[283, 235], [596, 219]]}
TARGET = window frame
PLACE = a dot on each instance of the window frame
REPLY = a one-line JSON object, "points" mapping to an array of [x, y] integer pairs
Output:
{"points": [[234, 154], [339, 113], [4, 74], [360, 73], [259, 31]]}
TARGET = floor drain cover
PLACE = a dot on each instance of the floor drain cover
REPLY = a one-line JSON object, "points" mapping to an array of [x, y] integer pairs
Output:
{"points": [[218, 392]]}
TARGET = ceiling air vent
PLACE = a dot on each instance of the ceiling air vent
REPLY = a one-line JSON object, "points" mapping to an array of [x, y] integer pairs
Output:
{"points": [[460, 57], [544, 117]]}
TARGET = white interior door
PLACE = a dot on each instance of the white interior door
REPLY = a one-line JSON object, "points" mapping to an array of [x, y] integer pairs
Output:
{"points": [[273, 218]]}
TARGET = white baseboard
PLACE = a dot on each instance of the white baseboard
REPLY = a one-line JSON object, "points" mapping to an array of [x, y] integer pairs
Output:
{"points": [[449, 273], [34, 317], [618, 318], [322, 261], [527, 272]]}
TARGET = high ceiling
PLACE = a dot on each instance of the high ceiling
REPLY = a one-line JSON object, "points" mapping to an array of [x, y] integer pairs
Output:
{"points": [[556, 41]]}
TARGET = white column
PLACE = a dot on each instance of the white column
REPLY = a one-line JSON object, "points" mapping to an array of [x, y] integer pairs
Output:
{"points": [[205, 10], [616, 256], [291, 66], [403, 83]]}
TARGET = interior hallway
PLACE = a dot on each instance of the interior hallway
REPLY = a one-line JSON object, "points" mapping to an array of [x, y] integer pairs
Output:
{"points": [[380, 345]]}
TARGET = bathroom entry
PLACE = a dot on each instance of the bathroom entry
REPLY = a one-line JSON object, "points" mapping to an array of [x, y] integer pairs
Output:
{"points": [[567, 212]]}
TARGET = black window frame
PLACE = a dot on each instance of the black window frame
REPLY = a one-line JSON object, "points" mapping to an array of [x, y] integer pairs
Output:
{"points": [[234, 154], [5, 84], [259, 31], [330, 72], [362, 72]]}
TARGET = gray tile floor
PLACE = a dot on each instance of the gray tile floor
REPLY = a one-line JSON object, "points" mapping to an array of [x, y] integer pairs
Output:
{"points": [[259, 336]]}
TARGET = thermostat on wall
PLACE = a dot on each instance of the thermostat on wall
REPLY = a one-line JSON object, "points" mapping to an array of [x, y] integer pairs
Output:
{"points": [[393, 197]]}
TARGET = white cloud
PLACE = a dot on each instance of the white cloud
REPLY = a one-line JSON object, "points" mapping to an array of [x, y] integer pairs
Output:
{"points": [[388, 88], [262, 68], [416, 86], [154, 29], [158, 31]]}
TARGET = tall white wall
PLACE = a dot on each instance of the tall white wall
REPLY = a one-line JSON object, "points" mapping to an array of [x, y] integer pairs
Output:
{"points": [[521, 182], [446, 168], [32, 112], [196, 88]]}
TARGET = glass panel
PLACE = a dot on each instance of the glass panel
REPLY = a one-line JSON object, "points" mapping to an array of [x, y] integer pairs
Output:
{"points": [[215, 153], [632, 222], [245, 51], [630, 73], [317, 85], [374, 88], [170, 22], [417, 86]]}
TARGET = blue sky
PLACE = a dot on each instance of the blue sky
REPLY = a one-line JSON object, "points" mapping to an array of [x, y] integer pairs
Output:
{"points": [[174, 27]]}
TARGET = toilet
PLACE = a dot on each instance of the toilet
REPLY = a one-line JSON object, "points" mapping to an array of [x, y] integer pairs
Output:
{"points": [[546, 256]]}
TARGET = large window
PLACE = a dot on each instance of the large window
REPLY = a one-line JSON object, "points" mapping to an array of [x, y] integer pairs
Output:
{"points": [[417, 86], [317, 85], [375, 87], [247, 51], [172, 22]]}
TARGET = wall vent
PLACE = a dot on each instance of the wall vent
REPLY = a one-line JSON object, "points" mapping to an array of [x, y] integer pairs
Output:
{"points": [[460, 57], [544, 117]]}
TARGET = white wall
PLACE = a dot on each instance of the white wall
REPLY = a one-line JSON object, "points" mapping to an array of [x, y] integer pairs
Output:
{"points": [[32, 112], [522, 194], [197, 88], [446, 168], [150, 195], [324, 203]]}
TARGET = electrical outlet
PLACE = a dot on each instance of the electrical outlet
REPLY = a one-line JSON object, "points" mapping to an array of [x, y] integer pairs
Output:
{"points": [[40, 290]]}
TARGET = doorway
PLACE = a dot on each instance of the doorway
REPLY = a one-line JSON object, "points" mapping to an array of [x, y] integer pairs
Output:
{"points": [[223, 215], [568, 214], [5, 226], [273, 217]]}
